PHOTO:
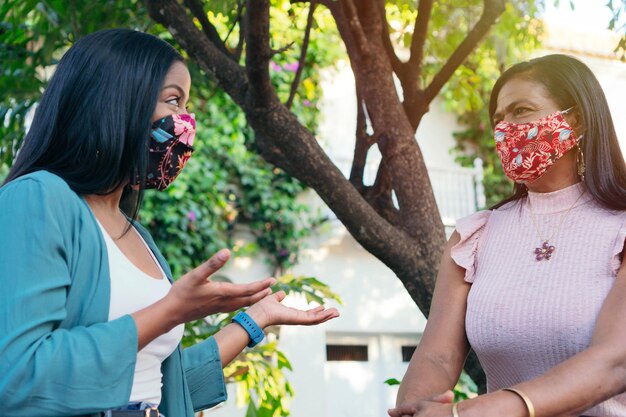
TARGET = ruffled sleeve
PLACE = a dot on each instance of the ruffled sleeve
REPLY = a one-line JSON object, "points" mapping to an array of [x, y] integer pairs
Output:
{"points": [[618, 248], [464, 253]]}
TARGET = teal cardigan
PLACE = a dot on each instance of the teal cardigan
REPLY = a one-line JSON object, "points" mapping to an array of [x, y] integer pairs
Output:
{"points": [[59, 354]]}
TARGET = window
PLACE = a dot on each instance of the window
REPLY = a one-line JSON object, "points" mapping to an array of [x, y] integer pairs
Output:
{"points": [[407, 352], [357, 353]]}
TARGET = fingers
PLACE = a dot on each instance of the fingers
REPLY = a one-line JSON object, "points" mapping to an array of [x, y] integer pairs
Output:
{"points": [[211, 266], [280, 295], [446, 397], [317, 315], [251, 289], [402, 410], [244, 295], [249, 300]]}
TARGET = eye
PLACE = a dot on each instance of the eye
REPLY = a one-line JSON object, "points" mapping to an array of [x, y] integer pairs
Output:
{"points": [[174, 101], [520, 111]]}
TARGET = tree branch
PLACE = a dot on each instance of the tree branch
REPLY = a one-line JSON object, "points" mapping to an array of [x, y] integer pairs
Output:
{"points": [[237, 19], [341, 20], [303, 51], [258, 51], [396, 64], [491, 11], [281, 49], [380, 196], [242, 37], [355, 27], [418, 41], [196, 8], [361, 147], [229, 75]]}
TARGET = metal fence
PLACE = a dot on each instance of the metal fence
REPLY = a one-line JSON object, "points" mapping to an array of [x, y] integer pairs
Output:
{"points": [[458, 191]]}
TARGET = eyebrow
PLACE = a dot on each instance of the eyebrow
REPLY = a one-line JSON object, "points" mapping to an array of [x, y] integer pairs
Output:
{"points": [[511, 106], [177, 87]]}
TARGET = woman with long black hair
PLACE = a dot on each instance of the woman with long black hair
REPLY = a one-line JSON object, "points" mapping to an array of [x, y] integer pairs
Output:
{"points": [[90, 318], [536, 285]]}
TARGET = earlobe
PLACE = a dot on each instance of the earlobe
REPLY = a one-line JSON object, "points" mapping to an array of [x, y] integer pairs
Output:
{"points": [[576, 122]]}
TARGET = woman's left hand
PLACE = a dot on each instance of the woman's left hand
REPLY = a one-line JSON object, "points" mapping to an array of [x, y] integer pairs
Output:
{"points": [[270, 311], [436, 406]]}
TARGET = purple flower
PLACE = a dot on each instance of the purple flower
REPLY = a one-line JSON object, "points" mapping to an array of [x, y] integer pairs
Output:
{"points": [[292, 66], [192, 216], [307, 103], [283, 253], [275, 67]]}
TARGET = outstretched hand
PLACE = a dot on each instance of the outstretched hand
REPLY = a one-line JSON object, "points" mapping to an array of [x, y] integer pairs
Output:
{"points": [[195, 296], [424, 406], [270, 311]]}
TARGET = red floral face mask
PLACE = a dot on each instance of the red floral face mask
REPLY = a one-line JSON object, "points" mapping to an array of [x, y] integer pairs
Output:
{"points": [[527, 150], [171, 139]]}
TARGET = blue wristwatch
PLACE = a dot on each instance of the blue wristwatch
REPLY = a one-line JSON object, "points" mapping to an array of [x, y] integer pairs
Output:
{"points": [[249, 325]]}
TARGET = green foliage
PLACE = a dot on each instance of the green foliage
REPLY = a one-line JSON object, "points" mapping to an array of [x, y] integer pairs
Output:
{"points": [[313, 290], [34, 34]]}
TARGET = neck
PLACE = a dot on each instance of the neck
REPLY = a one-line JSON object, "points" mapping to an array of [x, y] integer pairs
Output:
{"points": [[107, 205]]}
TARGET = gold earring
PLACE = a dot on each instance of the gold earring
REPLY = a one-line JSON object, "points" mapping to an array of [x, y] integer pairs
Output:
{"points": [[580, 162]]}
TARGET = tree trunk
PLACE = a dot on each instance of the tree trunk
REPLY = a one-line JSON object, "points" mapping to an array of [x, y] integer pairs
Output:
{"points": [[407, 237]]}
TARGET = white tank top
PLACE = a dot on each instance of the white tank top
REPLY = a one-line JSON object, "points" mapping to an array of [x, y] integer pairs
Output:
{"points": [[132, 290]]}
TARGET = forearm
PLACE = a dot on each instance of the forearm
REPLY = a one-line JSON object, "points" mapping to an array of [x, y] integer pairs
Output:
{"points": [[568, 389], [430, 374], [231, 340], [153, 321]]}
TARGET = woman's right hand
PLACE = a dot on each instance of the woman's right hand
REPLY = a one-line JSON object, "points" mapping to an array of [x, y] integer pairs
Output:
{"points": [[409, 409], [194, 296]]}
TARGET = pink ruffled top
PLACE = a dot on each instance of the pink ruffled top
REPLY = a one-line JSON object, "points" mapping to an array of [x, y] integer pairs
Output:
{"points": [[525, 316]]}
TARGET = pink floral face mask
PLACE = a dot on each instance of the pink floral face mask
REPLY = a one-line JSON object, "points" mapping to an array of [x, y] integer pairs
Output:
{"points": [[527, 150], [171, 140]]}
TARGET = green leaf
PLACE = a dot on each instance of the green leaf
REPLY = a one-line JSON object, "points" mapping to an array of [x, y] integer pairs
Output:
{"points": [[392, 381]]}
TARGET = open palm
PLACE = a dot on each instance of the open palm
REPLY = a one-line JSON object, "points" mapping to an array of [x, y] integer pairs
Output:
{"points": [[270, 311]]}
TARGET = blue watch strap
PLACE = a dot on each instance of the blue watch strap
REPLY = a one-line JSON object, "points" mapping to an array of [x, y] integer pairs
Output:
{"points": [[249, 325]]}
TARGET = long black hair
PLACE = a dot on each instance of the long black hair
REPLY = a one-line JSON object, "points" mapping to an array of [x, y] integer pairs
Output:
{"points": [[571, 83], [91, 126]]}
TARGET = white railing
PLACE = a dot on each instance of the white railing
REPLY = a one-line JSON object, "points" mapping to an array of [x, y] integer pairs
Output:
{"points": [[458, 190]]}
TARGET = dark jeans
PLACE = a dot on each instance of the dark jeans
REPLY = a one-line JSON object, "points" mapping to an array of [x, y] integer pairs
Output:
{"points": [[132, 406]]}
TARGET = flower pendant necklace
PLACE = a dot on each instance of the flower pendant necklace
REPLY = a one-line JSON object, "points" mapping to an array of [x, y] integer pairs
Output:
{"points": [[545, 250]]}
